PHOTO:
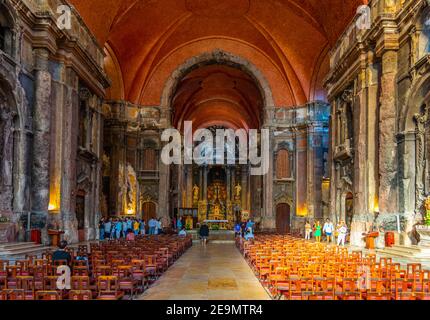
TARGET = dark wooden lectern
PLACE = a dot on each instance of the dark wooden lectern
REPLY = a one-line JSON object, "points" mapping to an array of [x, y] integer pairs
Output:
{"points": [[55, 236], [370, 239]]}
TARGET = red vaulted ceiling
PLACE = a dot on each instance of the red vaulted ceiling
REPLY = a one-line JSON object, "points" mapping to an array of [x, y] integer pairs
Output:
{"points": [[286, 40]]}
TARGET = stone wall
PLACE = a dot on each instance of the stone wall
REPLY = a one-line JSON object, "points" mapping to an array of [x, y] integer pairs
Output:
{"points": [[373, 72], [42, 70]]}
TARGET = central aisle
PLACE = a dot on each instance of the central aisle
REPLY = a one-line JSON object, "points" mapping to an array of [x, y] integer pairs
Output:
{"points": [[214, 272]]}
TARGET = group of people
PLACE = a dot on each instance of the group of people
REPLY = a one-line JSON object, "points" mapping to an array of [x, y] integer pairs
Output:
{"points": [[128, 228], [245, 229], [328, 229]]}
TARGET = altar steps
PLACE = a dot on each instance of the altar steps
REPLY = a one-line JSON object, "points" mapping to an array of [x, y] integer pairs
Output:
{"points": [[10, 250], [414, 252], [215, 236]]}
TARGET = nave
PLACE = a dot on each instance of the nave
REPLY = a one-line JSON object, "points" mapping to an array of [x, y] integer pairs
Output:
{"points": [[216, 271]]}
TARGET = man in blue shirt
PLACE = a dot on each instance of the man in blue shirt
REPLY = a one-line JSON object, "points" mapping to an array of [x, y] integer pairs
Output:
{"points": [[152, 224], [108, 226]]}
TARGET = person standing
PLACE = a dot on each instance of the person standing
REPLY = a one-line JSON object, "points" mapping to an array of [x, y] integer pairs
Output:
{"points": [[108, 226], [308, 230], [204, 233], [328, 230], [136, 227], [118, 229], [342, 231], [151, 225], [317, 231], [102, 229], [142, 227], [179, 224]]}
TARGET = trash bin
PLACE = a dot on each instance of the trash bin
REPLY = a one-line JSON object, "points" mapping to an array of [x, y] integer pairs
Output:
{"points": [[389, 239], [36, 236]]}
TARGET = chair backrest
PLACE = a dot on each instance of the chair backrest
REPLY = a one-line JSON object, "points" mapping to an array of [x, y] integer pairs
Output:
{"points": [[12, 294], [48, 295], [80, 283], [80, 295], [107, 283]]}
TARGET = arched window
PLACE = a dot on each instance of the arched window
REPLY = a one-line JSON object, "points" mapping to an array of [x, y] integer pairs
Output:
{"points": [[283, 169]]}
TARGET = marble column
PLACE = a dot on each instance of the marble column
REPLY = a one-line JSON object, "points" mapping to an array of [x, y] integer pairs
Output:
{"points": [[69, 154], [164, 193], [189, 185], [269, 221], [388, 166], [41, 143], [244, 185], [205, 183]]}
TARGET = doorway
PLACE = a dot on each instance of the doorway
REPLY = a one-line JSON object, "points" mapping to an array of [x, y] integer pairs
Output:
{"points": [[149, 211], [283, 218], [349, 208]]}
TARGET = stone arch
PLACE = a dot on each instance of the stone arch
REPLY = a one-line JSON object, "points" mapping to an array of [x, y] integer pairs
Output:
{"points": [[217, 57]]}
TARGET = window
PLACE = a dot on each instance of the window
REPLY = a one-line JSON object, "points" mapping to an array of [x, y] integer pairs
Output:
{"points": [[6, 25], [283, 169]]}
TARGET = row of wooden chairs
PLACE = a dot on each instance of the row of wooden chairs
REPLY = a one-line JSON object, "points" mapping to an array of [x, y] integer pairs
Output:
{"points": [[108, 269], [292, 268]]}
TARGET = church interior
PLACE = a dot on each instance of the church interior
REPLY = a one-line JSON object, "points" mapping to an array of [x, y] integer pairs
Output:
{"points": [[336, 94]]}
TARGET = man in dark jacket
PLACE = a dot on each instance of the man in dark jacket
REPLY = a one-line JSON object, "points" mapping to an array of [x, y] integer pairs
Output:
{"points": [[204, 233]]}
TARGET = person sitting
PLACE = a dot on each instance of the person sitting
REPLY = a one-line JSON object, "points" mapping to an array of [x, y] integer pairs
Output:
{"points": [[130, 235], [182, 233], [61, 253], [204, 233]]}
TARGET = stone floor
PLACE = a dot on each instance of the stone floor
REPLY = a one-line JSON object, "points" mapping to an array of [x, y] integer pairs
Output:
{"points": [[214, 272]]}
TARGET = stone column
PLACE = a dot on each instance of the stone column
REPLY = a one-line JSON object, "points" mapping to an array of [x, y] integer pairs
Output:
{"points": [[69, 154], [228, 174], [388, 166], [189, 185], [205, 183], [41, 143], [244, 185], [269, 221], [310, 188], [164, 192]]}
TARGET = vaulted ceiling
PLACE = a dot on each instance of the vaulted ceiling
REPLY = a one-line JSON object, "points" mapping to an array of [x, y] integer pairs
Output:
{"points": [[287, 40]]}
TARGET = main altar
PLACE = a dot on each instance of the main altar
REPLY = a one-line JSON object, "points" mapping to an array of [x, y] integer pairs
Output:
{"points": [[217, 198]]}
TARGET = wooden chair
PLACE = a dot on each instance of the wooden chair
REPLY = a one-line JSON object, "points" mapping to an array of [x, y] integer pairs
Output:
{"points": [[48, 295], [80, 295], [12, 294], [26, 283], [108, 288]]}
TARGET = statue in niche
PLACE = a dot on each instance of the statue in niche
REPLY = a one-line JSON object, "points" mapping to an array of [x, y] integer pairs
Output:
{"points": [[196, 194], [421, 120], [237, 192], [131, 190]]}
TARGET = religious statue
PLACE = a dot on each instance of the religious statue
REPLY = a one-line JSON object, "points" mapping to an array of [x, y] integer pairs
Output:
{"points": [[427, 207], [237, 191], [196, 195]]}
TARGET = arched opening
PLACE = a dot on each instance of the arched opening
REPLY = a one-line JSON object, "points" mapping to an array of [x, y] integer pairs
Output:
{"points": [[283, 218], [217, 96]]}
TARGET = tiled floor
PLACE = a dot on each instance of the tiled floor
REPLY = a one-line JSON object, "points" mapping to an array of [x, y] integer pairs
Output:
{"points": [[214, 272]]}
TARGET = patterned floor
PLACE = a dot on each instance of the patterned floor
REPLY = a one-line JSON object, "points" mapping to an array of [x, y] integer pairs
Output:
{"points": [[214, 272]]}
